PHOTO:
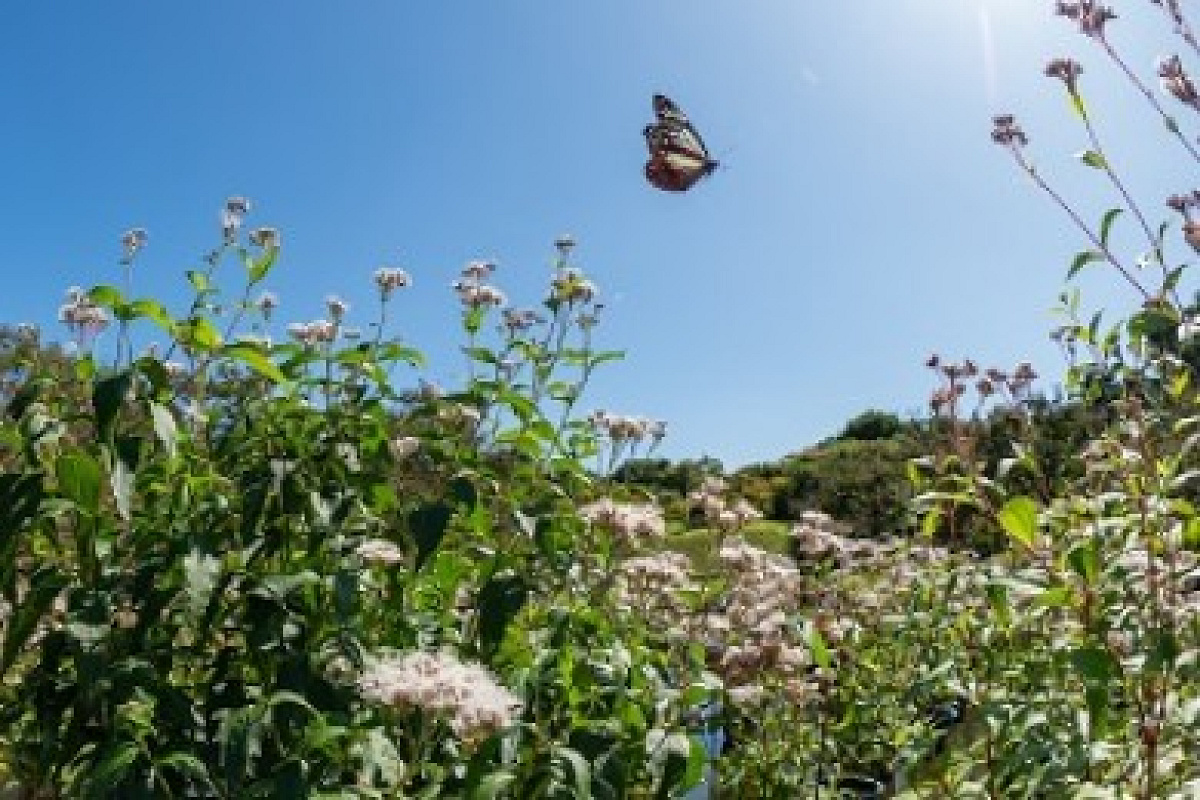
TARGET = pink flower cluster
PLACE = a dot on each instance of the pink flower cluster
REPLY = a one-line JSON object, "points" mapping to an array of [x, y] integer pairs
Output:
{"points": [[319, 331], [82, 315], [465, 694], [629, 521]]}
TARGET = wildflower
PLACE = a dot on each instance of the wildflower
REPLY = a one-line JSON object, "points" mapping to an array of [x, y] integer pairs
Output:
{"points": [[380, 551], [469, 697], [134, 240], [475, 294], [630, 521], [564, 244], [478, 270], [389, 279], [1067, 70], [1191, 234], [1090, 15], [569, 286], [1007, 132], [337, 308], [267, 302], [82, 315], [232, 214], [520, 319]]}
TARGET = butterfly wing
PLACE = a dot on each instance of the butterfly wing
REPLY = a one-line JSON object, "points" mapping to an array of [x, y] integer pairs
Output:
{"points": [[667, 112], [678, 156]]}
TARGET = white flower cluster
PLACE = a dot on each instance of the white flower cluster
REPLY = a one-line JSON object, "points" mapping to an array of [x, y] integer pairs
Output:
{"points": [[719, 512], [465, 694], [629, 521], [380, 551]]}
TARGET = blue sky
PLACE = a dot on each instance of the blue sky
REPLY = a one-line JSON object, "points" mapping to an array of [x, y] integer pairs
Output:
{"points": [[862, 220]]}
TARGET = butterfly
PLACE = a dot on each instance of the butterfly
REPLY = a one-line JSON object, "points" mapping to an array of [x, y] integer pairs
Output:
{"points": [[678, 157]]}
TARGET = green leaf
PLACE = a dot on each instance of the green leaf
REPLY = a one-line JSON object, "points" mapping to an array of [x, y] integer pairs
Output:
{"points": [[200, 281], [577, 765], [1095, 663], [154, 311], [107, 296], [255, 359], [257, 268], [1106, 223], [818, 648], [1164, 651], [26, 616], [79, 480], [1081, 260], [1084, 558], [106, 776], [1078, 106], [108, 396], [1019, 518], [165, 428], [186, 765], [500, 601], [494, 786], [200, 333], [1093, 159], [428, 523], [1055, 597]]}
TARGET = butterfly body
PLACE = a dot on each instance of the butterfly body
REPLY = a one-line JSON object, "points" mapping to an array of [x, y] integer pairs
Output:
{"points": [[678, 157]]}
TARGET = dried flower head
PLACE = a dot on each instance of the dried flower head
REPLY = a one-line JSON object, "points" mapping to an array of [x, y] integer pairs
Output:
{"points": [[1067, 70]]}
